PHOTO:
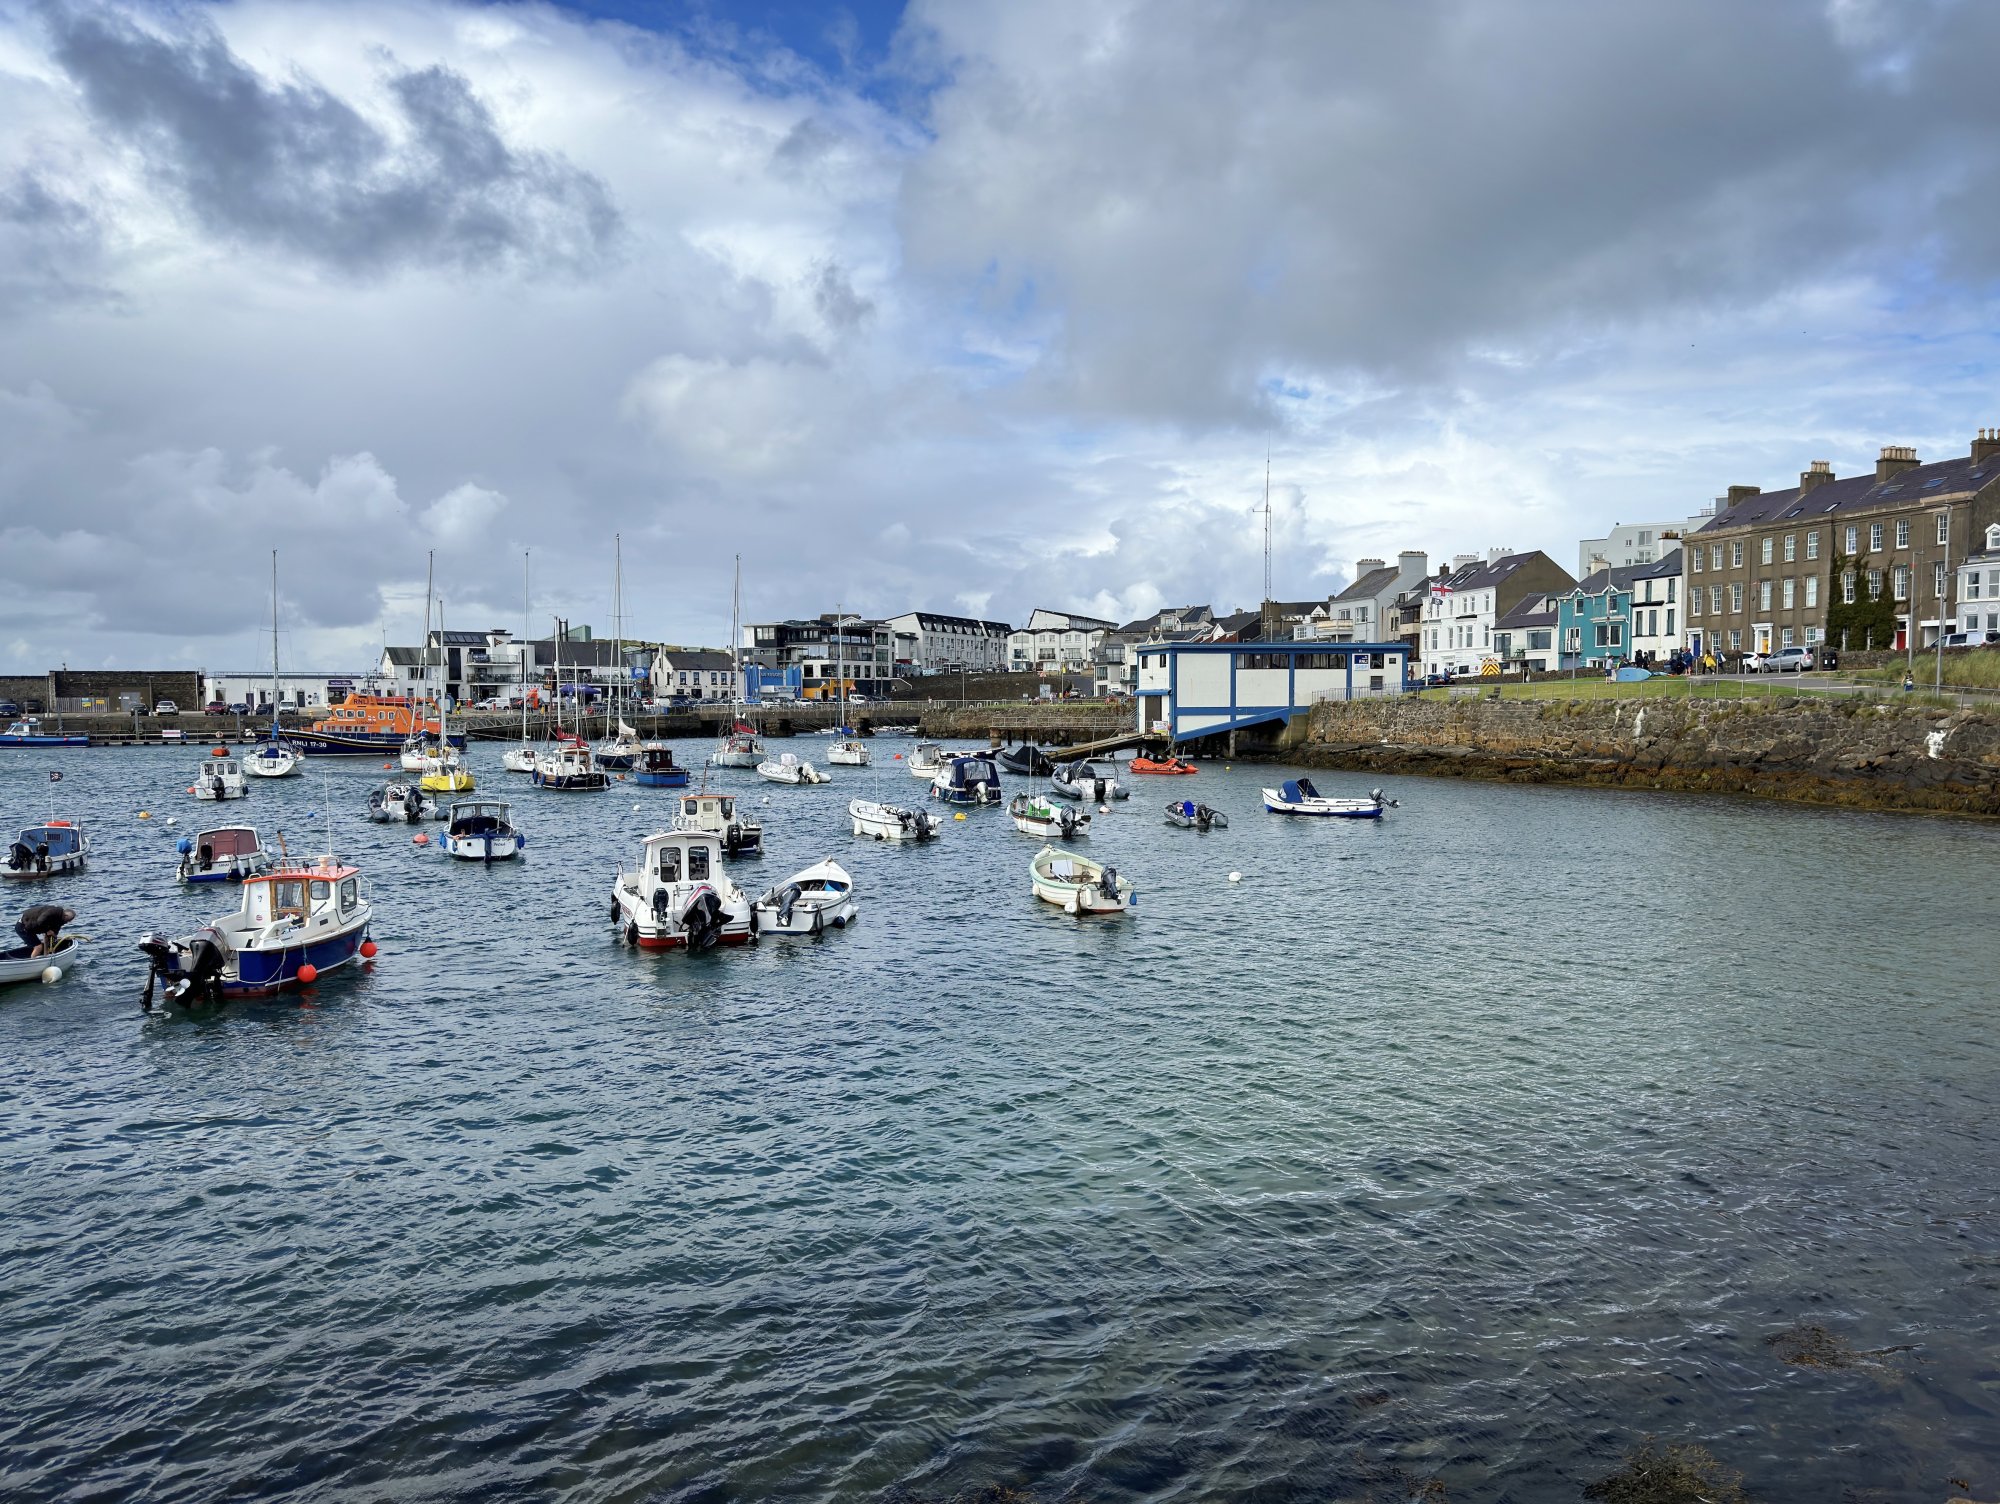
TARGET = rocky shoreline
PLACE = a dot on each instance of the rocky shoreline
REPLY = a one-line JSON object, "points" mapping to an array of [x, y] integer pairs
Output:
{"points": [[1846, 752]]}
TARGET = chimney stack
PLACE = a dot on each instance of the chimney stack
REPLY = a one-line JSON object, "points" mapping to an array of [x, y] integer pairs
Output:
{"points": [[1366, 566], [1820, 473], [1739, 494], [1986, 446], [1495, 555], [1896, 458]]}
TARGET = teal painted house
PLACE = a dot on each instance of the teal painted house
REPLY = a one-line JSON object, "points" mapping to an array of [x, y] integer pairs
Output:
{"points": [[1594, 621]]}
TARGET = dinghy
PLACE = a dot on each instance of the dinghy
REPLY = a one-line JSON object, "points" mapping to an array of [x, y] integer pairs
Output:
{"points": [[227, 854], [46, 851], [401, 801], [1088, 781], [295, 922], [1029, 761], [1161, 765], [17, 964], [1036, 815], [1077, 885], [482, 830], [886, 822], [1190, 815], [1299, 797], [925, 760], [790, 768], [680, 898], [809, 903]]}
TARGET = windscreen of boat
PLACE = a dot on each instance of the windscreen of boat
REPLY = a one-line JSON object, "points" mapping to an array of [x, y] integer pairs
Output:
{"points": [[979, 770], [62, 840], [237, 840]]}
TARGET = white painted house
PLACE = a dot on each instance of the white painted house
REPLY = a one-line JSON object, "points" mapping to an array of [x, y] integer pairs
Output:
{"points": [[1456, 632], [1360, 613], [1056, 641], [1193, 689], [1659, 622], [930, 643], [1979, 587]]}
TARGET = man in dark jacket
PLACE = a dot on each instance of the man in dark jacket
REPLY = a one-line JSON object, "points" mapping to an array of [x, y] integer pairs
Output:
{"points": [[40, 928]]}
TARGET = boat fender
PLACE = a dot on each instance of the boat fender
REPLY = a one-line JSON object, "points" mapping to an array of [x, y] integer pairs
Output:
{"points": [[632, 933], [614, 910]]}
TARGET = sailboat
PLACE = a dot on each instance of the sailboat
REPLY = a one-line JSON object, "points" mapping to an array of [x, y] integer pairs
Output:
{"points": [[443, 772], [566, 766], [276, 758], [617, 753], [521, 759], [848, 751], [740, 746]]}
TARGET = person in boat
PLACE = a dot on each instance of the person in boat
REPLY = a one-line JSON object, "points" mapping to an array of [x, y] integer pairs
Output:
{"points": [[40, 928]]}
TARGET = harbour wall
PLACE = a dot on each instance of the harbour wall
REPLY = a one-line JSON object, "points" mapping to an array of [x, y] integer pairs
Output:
{"points": [[1044, 722], [1846, 751]]}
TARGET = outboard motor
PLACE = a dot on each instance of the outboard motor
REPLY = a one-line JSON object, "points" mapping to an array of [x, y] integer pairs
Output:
{"points": [[732, 839], [789, 895], [41, 856], [19, 857], [413, 805], [663, 907], [703, 922], [1203, 817], [1108, 884]]}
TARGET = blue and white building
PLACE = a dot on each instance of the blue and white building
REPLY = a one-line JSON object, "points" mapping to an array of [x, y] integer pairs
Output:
{"points": [[1191, 689]]}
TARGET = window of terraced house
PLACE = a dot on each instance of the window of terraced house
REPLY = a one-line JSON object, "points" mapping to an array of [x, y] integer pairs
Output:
{"points": [[1715, 600], [1784, 637], [1766, 550], [1812, 545], [1694, 603], [1937, 581], [1763, 595], [1853, 536], [1791, 547], [1874, 537], [1812, 591], [1944, 527], [1874, 584], [1715, 556], [1694, 558], [1902, 582], [1670, 621], [1786, 594], [1902, 532], [1736, 554], [1736, 595], [1735, 639]]}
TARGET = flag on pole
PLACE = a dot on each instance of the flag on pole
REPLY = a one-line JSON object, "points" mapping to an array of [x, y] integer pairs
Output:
{"points": [[1440, 590]]}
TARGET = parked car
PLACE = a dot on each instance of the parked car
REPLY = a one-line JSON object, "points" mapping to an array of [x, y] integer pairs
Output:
{"points": [[241, 707], [8, 707], [1752, 662], [166, 707], [216, 707], [1970, 639], [1793, 660]]}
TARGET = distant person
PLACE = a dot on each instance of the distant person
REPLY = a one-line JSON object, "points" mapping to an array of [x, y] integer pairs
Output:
{"points": [[40, 928]]}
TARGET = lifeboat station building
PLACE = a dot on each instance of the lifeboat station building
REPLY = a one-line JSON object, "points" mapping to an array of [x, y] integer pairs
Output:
{"points": [[1197, 689]]}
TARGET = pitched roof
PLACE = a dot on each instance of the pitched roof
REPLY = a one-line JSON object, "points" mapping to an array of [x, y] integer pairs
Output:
{"points": [[1668, 564], [1855, 493], [597, 653], [1481, 573], [1599, 581], [1370, 584], [404, 657], [1234, 623], [694, 660], [1530, 611], [1198, 614]]}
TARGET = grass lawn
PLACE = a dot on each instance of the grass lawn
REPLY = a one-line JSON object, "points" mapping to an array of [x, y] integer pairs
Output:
{"points": [[1964, 668]]}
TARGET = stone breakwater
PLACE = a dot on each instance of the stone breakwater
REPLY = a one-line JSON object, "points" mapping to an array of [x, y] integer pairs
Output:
{"points": [[1848, 751]]}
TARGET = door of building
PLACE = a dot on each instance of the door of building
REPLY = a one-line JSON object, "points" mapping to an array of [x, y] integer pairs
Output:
{"points": [[1760, 634]]}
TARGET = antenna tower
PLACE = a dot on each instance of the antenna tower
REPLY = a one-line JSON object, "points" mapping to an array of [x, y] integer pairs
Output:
{"points": [[1267, 525]]}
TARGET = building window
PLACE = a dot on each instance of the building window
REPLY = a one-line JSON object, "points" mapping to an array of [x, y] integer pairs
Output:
{"points": [[1937, 581], [1874, 537], [1812, 545], [1902, 532], [1812, 591], [1786, 594], [1784, 637], [1735, 639], [1715, 600], [1694, 557], [1944, 527], [1670, 621], [1902, 581], [1671, 584], [1763, 595], [1715, 556], [1853, 537], [1694, 603], [1736, 554], [1874, 584], [1791, 547], [1766, 549], [1972, 584], [1735, 595]]}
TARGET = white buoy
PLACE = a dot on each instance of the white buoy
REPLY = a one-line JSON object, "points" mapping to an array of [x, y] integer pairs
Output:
{"points": [[1104, 809], [51, 974], [635, 809], [173, 820], [1236, 877]]}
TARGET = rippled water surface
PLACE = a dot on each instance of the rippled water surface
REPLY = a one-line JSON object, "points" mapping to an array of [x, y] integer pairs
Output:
{"points": [[1472, 1146]]}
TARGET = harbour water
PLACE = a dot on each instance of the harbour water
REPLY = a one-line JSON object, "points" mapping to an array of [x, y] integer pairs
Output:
{"points": [[1470, 1146]]}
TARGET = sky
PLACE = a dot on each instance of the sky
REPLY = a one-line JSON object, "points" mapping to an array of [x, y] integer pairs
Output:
{"points": [[964, 307]]}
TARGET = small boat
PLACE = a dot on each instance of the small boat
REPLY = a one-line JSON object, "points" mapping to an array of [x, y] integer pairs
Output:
{"points": [[1088, 781], [1299, 797], [227, 854], [680, 897], [656, 768], [1161, 765], [520, 759], [925, 760], [566, 768], [275, 759], [1037, 815], [1189, 815], [789, 768], [46, 851], [885, 822], [741, 748], [1029, 761], [18, 964], [294, 923], [716, 814], [482, 830], [1077, 885], [416, 747], [968, 779], [444, 772], [29, 733], [621, 752], [849, 752], [221, 777], [808, 903], [401, 801]]}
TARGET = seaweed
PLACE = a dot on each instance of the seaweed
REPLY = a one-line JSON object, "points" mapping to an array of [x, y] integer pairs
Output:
{"points": [[1678, 1474], [1810, 1346]]}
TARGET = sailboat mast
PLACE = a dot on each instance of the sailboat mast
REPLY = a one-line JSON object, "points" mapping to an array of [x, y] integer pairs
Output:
{"points": [[274, 646], [617, 705], [425, 702], [527, 634]]}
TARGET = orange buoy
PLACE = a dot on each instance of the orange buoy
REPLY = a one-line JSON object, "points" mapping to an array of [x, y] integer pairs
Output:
{"points": [[420, 839], [387, 765], [308, 974], [367, 950]]}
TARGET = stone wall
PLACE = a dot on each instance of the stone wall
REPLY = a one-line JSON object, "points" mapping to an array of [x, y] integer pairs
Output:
{"points": [[1843, 750], [182, 686]]}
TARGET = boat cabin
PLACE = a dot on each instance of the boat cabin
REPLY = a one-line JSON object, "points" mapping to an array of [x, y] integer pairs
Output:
{"points": [[683, 856], [968, 780], [55, 840], [223, 845], [657, 760], [1298, 790], [708, 810], [481, 817], [299, 895], [376, 714]]}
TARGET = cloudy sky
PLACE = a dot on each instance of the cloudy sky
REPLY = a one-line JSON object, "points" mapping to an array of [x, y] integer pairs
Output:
{"points": [[972, 307]]}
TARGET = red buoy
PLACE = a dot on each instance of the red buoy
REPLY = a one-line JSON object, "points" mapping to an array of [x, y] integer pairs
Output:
{"points": [[308, 974], [367, 950], [420, 839], [388, 765]]}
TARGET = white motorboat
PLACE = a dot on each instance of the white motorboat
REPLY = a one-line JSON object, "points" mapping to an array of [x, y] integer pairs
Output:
{"points": [[967, 779], [401, 801], [1089, 781], [567, 768], [227, 854], [221, 777], [741, 748], [1299, 797], [789, 768], [19, 964], [482, 830], [809, 902], [416, 747], [717, 814], [849, 752], [1190, 814], [46, 851], [680, 897], [295, 923], [1077, 885], [277, 758], [925, 760], [520, 759], [886, 822], [1037, 815]]}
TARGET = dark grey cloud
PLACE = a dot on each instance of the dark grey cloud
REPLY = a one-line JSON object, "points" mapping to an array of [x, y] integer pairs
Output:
{"points": [[836, 300], [290, 165], [50, 246]]}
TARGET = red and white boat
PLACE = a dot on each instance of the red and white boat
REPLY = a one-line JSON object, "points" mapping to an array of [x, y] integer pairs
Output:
{"points": [[680, 898]]}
